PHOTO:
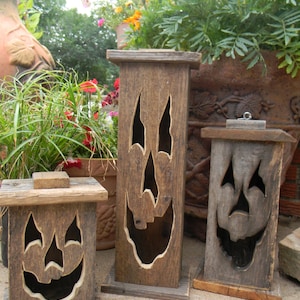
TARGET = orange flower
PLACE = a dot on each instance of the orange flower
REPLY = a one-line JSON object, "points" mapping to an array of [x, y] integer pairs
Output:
{"points": [[134, 20]]}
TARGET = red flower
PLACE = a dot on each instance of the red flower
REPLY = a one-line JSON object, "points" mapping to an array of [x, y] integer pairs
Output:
{"points": [[70, 163], [69, 115], [89, 86], [117, 83]]}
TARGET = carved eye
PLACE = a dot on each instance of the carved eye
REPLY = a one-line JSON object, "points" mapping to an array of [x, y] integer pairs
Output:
{"points": [[257, 181], [73, 233], [165, 140], [138, 135], [32, 233], [228, 177]]}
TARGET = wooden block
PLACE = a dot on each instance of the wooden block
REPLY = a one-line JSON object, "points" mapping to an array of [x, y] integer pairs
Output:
{"points": [[289, 254], [246, 124], [238, 291], [154, 292], [50, 180], [82, 189]]}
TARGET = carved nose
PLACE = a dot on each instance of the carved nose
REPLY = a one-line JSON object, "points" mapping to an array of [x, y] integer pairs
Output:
{"points": [[54, 254]]}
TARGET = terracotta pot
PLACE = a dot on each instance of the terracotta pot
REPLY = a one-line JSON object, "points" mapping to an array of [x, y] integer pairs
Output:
{"points": [[19, 50], [121, 35], [105, 172]]}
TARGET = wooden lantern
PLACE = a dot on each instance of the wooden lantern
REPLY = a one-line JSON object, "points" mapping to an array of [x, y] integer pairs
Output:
{"points": [[151, 164], [51, 235], [244, 186]]}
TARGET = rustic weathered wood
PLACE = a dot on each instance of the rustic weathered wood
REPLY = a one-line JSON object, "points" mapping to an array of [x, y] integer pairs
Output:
{"points": [[15, 192], [49, 180], [237, 291], [52, 241], [274, 135], [289, 254], [151, 162], [52, 251], [154, 292], [243, 205], [155, 55]]}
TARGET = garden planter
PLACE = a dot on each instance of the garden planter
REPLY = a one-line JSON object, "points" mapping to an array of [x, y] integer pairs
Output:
{"points": [[121, 35], [225, 90], [105, 172]]}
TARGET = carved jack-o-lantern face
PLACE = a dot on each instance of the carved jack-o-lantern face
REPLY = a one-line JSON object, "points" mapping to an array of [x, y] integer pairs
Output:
{"points": [[244, 203], [149, 205], [53, 262]]}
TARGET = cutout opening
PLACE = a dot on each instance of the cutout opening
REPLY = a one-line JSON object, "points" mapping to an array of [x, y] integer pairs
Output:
{"points": [[165, 139], [154, 240]]}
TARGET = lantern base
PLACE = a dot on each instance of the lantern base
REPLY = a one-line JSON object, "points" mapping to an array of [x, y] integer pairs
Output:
{"points": [[154, 292], [238, 291]]}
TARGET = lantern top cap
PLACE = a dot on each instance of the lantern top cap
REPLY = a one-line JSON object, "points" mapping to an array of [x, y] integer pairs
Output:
{"points": [[193, 59], [246, 134], [246, 122]]}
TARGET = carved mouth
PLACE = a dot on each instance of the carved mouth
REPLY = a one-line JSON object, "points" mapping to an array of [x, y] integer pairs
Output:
{"points": [[242, 250], [57, 288], [148, 248]]}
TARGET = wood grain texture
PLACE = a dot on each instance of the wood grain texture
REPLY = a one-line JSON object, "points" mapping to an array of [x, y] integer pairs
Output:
{"points": [[14, 192], [59, 243], [237, 291], [155, 55], [50, 180], [268, 135], [242, 212], [150, 186]]}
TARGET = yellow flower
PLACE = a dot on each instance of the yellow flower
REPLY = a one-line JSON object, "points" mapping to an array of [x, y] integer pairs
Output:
{"points": [[128, 3], [118, 9]]}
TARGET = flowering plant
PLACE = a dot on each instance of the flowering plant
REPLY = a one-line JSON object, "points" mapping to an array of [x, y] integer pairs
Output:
{"points": [[100, 137], [121, 11], [50, 118], [103, 115]]}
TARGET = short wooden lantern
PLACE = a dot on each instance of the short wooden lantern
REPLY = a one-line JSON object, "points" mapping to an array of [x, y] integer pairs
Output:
{"points": [[246, 161], [151, 164], [52, 240]]}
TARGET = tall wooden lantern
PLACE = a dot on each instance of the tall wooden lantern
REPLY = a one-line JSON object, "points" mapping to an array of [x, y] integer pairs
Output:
{"points": [[154, 88], [244, 186], [52, 237]]}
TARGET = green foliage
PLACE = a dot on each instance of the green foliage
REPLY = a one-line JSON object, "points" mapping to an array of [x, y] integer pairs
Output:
{"points": [[225, 27], [76, 42], [30, 17], [36, 128]]}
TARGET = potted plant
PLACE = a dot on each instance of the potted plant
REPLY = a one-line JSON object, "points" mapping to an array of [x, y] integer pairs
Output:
{"points": [[120, 16], [250, 62], [98, 164], [48, 119], [227, 28]]}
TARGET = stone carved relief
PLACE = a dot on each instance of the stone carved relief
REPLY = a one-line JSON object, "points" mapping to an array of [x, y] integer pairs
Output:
{"points": [[295, 108], [232, 106]]}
